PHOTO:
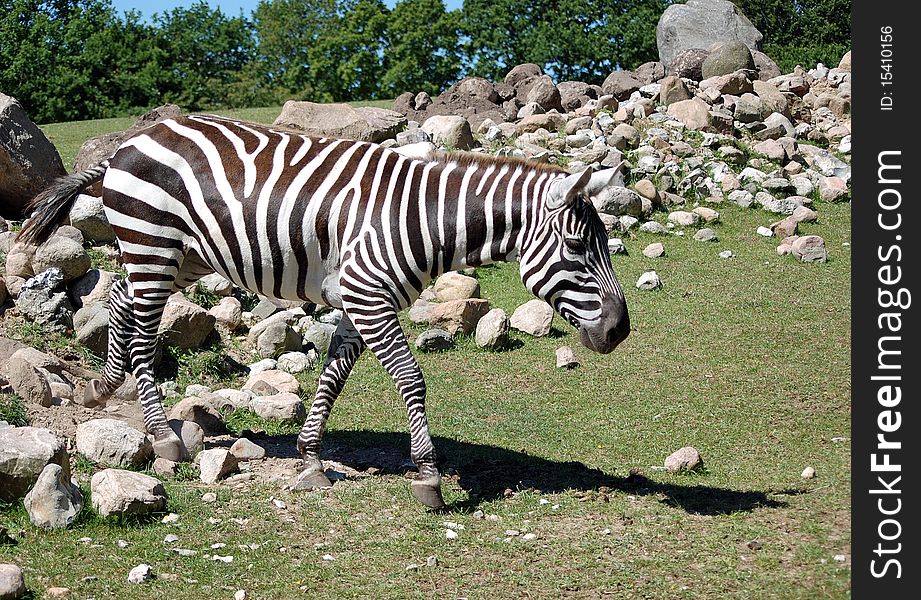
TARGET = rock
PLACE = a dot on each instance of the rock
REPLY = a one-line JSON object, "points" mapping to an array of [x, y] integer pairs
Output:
{"points": [[434, 340], [624, 135], [574, 94], [706, 235], [649, 281], [700, 23], [278, 407], [45, 307], [650, 72], [521, 73], [201, 412], [244, 450], [810, 248], [476, 88], [113, 443], [421, 312], [216, 464], [776, 121], [654, 250], [29, 163], [785, 228], [726, 254], [27, 381], [616, 246], [270, 382], [566, 358], [458, 316], [492, 330], [184, 324], [12, 581], [276, 338], [91, 324], [683, 218], [228, 314], [688, 64], [845, 63], [832, 189], [191, 434], [804, 214], [734, 84], [216, 284], [320, 335], [94, 286], [672, 89], [684, 459], [54, 501], [88, 215], [618, 201], [449, 130], [341, 121], [621, 84], [726, 58], [707, 214], [140, 574], [545, 93], [296, 362], [62, 253], [454, 286], [549, 121], [119, 492], [534, 317], [808, 473], [694, 113], [653, 227]]}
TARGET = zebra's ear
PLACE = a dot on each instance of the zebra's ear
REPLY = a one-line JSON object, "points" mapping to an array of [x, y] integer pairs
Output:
{"points": [[606, 178], [564, 191]]}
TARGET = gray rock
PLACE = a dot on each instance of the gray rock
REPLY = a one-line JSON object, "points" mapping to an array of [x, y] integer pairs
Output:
{"points": [[91, 324], [700, 23], [191, 434], [621, 84], [545, 93], [265, 309], [54, 501], [534, 317], [197, 390], [412, 136], [119, 492], [743, 198], [184, 324], [616, 246], [777, 120], [684, 459], [420, 312], [653, 227], [200, 411], [320, 335], [113, 443], [276, 338], [24, 453], [777, 184], [654, 250], [492, 330], [94, 286], [216, 464], [726, 254], [649, 281], [296, 362], [781, 206], [726, 58], [62, 253], [683, 218], [140, 574], [449, 130], [688, 64], [12, 581], [278, 407], [52, 310], [270, 382], [27, 381], [266, 364], [28, 161], [522, 72], [455, 286], [341, 121], [216, 284], [767, 68], [566, 358], [434, 340], [706, 235], [246, 450], [88, 215], [618, 201]]}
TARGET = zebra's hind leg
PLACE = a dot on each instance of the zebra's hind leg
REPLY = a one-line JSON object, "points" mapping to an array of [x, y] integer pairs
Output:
{"points": [[344, 349], [121, 327], [150, 296], [377, 322]]}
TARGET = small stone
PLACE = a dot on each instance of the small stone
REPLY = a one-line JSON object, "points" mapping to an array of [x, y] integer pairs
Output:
{"points": [[122, 544], [209, 497], [169, 518], [224, 559], [170, 538], [649, 281], [654, 250], [245, 449], [140, 574], [272, 382], [451, 534], [295, 362], [12, 582], [684, 218], [215, 464], [434, 340], [201, 412], [454, 286], [839, 557], [328, 557], [54, 501], [726, 254], [240, 595], [529, 537], [707, 214], [764, 231], [57, 592], [705, 235], [431, 561], [616, 246], [533, 317], [810, 248], [278, 407], [653, 227], [808, 473], [566, 358], [684, 459]]}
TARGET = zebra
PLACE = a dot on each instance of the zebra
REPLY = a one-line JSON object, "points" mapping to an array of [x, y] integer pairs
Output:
{"points": [[348, 224]]}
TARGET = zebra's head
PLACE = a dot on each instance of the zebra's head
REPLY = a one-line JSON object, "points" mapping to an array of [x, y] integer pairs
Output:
{"points": [[566, 261]]}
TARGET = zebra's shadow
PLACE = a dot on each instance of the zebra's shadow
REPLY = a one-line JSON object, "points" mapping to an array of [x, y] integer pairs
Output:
{"points": [[488, 472]]}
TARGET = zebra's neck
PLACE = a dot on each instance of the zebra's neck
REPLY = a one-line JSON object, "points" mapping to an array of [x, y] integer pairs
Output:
{"points": [[485, 210]]}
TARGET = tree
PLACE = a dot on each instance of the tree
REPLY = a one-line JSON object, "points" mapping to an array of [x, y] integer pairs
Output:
{"points": [[423, 51]]}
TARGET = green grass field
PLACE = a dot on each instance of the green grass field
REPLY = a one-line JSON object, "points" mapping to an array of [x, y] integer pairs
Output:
{"points": [[746, 359]]}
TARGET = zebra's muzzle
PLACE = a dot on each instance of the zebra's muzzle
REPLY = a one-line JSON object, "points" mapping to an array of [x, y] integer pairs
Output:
{"points": [[610, 330]]}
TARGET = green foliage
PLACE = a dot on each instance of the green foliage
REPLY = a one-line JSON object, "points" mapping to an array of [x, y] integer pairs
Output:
{"points": [[13, 411]]}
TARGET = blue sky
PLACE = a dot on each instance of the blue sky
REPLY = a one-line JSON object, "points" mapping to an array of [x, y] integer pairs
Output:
{"points": [[228, 7]]}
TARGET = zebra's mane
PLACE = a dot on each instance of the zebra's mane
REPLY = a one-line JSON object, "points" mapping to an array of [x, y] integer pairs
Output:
{"points": [[464, 159]]}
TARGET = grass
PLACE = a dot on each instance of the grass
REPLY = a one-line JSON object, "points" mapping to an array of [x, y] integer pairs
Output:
{"points": [[746, 359]]}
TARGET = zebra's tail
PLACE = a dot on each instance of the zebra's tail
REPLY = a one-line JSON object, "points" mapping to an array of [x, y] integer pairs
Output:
{"points": [[52, 205]]}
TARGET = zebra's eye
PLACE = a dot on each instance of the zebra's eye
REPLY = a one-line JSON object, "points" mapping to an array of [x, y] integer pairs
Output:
{"points": [[575, 245]]}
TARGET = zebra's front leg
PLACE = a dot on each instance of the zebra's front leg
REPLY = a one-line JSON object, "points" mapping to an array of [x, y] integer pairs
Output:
{"points": [[121, 328], [344, 349], [381, 331]]}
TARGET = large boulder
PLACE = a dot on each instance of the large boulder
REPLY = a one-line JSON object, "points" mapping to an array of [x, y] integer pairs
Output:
{"points": [[54, 501], [63, 253], [449, 130], [113, 443], [27, 381], [118, 492], [621, 84], [726, 58], [28, 161], [701, 23], [88, 215], [185, 324], [689, 63], [694, 113], [522, 72], [533, 317], [341, 121], [24, 452]]}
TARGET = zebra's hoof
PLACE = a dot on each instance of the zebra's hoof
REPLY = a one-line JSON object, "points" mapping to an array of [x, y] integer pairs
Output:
{"points": [[170, 447], [311, 479], [428, 493], [93, 396]]}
